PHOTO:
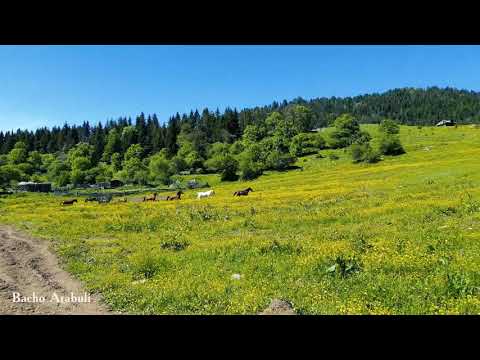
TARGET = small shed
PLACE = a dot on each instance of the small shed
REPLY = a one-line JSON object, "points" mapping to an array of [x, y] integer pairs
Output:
{"points": [[34, 187], [446, 123]]}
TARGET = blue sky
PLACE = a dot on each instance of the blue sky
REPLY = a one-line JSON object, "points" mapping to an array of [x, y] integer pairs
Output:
{"points": [[50, 85]]}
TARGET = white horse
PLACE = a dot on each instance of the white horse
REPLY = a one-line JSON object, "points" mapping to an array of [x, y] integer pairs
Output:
{"points": [[205, 194]]}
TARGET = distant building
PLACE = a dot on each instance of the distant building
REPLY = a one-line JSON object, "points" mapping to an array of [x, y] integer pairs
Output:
{"points": [[446, 123], [34, 187]]}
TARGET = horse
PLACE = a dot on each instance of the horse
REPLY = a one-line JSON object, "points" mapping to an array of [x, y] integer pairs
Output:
{"points": [[205, 194], [69, 202], [154, 198], [242, 192], [176, 197]]}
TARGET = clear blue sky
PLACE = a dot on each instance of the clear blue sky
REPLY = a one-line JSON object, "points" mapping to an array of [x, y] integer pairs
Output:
{"points": [[50, 85]]}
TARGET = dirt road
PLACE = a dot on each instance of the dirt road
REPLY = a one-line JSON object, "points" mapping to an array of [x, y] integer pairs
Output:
{"points": [[30, 270]]}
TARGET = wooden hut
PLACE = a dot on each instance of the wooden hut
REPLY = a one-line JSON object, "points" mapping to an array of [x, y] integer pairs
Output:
{"points": [[34, 187]]}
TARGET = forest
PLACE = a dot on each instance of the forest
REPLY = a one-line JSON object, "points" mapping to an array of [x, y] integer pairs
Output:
{"points": [[233, 143]]}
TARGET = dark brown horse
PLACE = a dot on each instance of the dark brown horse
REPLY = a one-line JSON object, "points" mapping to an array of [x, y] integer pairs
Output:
{"points": [[69, 202], [154, 198], [176, 197], [242, 192]]}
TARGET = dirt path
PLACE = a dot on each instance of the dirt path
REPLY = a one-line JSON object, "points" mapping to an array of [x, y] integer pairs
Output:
{"points": [[28, 267]]}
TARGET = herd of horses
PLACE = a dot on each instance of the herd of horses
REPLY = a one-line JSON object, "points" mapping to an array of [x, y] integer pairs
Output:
{"points": [[177, 196]]}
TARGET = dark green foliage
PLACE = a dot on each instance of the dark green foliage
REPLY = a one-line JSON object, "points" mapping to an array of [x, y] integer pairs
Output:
{"points": [[8, 175], [344, 267], [159, 168], [279, 161], [469, 204], [372, 156], [222, 161], [460, 285], [229, 169], [388, 126], [361, 137], [389, 140], [134, 170], [306, 144], [358, 153], [390, 145], [364, 153], [249, 165], [346, 132], [147, 266]]}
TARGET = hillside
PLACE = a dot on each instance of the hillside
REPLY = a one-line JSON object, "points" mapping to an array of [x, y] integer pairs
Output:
{"points": [[408, 106], [401, 236]]}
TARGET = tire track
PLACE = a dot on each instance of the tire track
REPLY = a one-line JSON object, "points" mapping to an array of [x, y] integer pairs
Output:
{"points": [[28, 267]]}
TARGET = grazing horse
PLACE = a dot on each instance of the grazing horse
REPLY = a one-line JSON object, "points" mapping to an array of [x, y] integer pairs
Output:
{"points": [[242, 192], [176, 197], [205, 194], [69, 202], [154, 198]]}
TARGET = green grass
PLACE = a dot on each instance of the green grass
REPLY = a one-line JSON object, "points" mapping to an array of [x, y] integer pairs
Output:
{"points": [[398, 237]]}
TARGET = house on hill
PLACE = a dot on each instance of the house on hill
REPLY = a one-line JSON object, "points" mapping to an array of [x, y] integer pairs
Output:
{"points": [[446, 123]]}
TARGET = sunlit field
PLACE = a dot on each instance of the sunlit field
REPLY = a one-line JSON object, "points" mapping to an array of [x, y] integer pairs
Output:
{"points": [[401, 236]]}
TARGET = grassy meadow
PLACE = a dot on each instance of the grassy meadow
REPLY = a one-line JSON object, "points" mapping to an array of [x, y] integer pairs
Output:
{"points": [[401, 236]]}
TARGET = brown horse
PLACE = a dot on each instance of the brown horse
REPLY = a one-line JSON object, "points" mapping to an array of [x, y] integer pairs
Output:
{"points": [[69, 202], [242, 192], [176, 197], [154, 198]]}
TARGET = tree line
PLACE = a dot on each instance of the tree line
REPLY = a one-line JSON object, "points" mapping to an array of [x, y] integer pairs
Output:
{"points": [[146, 152], [234, 143], [406, 106]]}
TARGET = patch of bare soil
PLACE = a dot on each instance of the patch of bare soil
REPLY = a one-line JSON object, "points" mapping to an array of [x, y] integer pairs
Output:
{"points": [[279, 307], [29, 269]]}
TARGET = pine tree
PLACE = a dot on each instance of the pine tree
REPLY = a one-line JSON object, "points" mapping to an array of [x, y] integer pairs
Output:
{"points": [[141, 127], [98, 142], [171, 137]]}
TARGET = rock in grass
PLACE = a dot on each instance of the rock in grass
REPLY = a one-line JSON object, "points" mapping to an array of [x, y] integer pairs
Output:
{"points": [[279, 307], [139, 281]]}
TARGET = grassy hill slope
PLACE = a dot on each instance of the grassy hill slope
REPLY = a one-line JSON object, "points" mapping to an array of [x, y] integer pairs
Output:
{"points": [[398, 237]]}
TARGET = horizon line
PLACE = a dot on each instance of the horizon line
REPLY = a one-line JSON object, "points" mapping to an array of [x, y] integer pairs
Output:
{"points": [[94, 124]]}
